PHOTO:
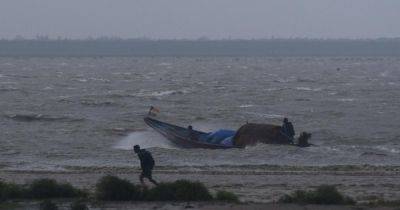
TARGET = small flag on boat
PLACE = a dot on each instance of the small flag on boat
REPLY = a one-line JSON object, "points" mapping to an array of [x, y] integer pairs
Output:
{"points": [[153, 111]]}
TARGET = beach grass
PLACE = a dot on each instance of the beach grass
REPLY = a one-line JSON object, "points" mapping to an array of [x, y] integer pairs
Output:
{"points": [[111, 188], [9, 205], [48, 205], [79, 205], [39, 189], [324, 194], [11, 191], [226, 196], [180, 190], [49, 188]]}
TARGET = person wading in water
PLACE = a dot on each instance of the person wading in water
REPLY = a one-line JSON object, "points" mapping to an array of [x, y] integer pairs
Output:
{"points": [[146, 163], [288, 130]]}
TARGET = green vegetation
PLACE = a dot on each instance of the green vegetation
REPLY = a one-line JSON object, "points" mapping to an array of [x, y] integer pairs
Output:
{"points": [[49, 188], [48, 205], [226, 196], [11, 191], [79, 205], [111, 188], [9, 205], [181, 190], [324, 194], [39, 189]]}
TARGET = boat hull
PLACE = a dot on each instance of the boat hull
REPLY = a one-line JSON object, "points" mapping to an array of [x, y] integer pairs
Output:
{"points": [[182, 137]]}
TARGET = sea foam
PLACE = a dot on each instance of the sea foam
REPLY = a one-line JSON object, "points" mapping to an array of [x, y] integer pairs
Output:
{"points": [[146, 139]]}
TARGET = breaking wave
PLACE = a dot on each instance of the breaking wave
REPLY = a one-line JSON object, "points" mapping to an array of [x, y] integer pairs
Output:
{"points": [[168, 92], [346, 99], [308, 89], [246, 105], [266, 115]]}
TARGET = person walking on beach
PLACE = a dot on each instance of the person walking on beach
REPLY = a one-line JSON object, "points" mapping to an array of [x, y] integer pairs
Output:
{"points": [[146, 164]]}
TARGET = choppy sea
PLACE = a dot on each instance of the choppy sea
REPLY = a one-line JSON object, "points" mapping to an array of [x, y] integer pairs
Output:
{"points": [[58, 113]]}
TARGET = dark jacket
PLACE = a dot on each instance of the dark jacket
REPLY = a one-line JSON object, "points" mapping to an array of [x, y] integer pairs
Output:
{"points": [[288, 129], [146, 159]]}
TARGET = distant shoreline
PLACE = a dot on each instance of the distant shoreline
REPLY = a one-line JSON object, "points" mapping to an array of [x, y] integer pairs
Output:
{"points": [[143, 47]]}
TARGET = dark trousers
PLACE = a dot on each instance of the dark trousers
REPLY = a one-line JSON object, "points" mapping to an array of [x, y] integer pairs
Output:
{"points": [[147, 173]]}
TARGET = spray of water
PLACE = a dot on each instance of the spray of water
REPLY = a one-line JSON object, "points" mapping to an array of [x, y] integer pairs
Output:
{"points": [[146, 139], [152, 139]]}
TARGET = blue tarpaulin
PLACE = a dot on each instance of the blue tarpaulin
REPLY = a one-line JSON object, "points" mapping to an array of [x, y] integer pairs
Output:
{"points": [[219, 137]]}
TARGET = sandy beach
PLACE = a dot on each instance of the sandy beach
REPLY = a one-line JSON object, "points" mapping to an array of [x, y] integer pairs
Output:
{"points": [[256, 188]]}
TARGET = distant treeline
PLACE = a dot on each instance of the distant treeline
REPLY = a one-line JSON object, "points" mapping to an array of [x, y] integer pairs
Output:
{"points": [[144, 47]]}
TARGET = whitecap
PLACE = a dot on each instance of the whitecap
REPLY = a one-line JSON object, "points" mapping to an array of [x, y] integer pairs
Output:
{"points": [[164, 64], [346, 99], [308, 89], [48, 88], [246, 105], [384, 74], [99, 79], [304, 88], [163, 93], [168, 92], [272, 89], [81, 80], [388, 149], [272, 116]]}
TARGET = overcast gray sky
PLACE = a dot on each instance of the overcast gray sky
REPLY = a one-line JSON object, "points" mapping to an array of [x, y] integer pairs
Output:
{"points": [[196, 18]]}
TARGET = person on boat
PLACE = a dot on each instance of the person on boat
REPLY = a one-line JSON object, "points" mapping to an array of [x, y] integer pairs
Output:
{"points": [[288, 130], [146, 164], [190, 132]]}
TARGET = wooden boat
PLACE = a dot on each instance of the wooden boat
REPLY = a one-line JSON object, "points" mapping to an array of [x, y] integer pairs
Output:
{"points": [[183, 137]]}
